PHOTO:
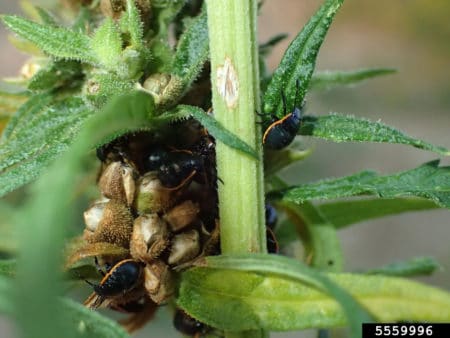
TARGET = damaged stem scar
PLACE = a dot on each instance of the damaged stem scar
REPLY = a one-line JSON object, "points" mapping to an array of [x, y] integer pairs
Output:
{"points": [[227, 83]]}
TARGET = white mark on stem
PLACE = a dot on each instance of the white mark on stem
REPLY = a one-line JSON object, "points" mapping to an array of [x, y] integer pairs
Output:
{"points": [[227, 83]]}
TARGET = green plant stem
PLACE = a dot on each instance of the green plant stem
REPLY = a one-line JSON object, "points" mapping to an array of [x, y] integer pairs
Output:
{"points": [[233, 48]]}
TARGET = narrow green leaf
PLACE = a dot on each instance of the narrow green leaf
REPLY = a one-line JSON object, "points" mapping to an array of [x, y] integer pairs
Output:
{"points": [[35, 136], [260, 289], [328, 79], [212, 125], [106, 44], [344, 213], [134, 24], [242, 300], [427, 181], [192, 51], [58, 42], [56, 74], [414, 267], [342, 128], [49, 206], [299, 61]]}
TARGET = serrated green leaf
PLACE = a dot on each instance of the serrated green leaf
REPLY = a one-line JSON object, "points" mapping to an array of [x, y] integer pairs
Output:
{"points": [[58, 42], [253, 298], [56, 74], [342, 128], [192, 51], [427, 181], [242, 300], [299, 61], [134, 24], [212, 125], [106, 44], [328, 79], [50, 206], [344, 213], [414, 267], [35, 136]]}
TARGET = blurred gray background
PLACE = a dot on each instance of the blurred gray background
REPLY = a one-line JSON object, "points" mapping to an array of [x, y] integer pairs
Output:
{"points": [[412, 36]]}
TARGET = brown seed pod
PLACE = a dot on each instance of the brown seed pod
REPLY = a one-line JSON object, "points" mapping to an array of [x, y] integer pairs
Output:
{"points": [[163, 88], [185, 247], [152, 196], [115, 226], [94, 214], [150, 237], [117, 181], [182, 215], [158, 281]]}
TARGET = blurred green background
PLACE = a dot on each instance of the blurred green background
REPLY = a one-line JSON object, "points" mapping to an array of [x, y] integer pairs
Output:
{"points": [[412, 36]]}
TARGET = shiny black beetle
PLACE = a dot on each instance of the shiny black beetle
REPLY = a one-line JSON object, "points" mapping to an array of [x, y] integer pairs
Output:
{"points": [[281, 132]]}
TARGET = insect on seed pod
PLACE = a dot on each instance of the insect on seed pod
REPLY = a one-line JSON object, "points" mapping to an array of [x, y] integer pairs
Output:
{"points": [[152, 196]]}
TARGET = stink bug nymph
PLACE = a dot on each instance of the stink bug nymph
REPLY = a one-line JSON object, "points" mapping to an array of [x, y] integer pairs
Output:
{"points": [[281, 132], [121, 278]]}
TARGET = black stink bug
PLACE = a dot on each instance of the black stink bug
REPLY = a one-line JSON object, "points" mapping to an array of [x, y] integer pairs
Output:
{"points": [[121, 278], [280, 133]]}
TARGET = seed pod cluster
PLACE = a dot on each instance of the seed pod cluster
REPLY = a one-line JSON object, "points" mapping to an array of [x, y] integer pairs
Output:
{"points": [[159, 204]]}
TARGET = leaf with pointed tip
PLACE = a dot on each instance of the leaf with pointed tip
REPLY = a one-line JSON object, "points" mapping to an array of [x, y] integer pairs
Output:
{"points": [[345, 213], [299, 61], [58, 42], [211, 124], [106, 44], [328, 79], [417, 266], [264, 294], [134, 24], [342, 128], [35, 136], [427, 181], [192, 51]]}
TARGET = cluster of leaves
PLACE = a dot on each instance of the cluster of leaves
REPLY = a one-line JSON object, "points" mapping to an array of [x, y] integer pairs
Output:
{"points": [[103, 77]]}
